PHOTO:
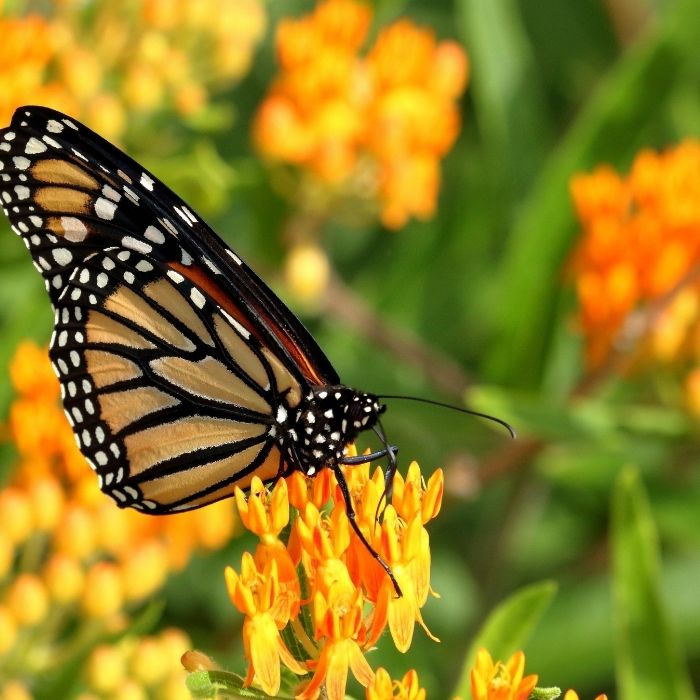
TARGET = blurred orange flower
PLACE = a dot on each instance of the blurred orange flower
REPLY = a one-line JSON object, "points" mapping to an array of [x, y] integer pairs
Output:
{"points": [[379, 122], [72, 562], [640, 246], [101, 61]]}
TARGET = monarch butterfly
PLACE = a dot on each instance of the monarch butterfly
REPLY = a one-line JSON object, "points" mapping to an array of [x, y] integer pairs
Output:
{"points": [[182, 374]]}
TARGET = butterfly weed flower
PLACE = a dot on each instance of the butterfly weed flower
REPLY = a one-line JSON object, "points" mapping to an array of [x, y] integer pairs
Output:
{"points": [[639, 252], [348, 600], [573, 695], [256, 593], [383, 688], [151, 56], [371, 125], [501, 681]]}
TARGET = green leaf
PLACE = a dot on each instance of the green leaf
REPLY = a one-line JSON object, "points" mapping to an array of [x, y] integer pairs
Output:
{"points": [[508, 626], [508, 100], [649, 659]]}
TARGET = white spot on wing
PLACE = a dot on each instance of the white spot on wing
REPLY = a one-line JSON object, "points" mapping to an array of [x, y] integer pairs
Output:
{"points": [[138, 246], [241, 329], [197, 298], [74, 230], [52, 142], [111, 193], [147, 182], [236, 259], [34, 146], [105, 209], [62, 256], [154, 234]]}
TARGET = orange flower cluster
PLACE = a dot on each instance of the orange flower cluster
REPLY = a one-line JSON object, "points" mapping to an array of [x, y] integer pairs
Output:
{"points": [[640, 249], [327, 611], [100, 61], [506, 681], [373, 126], [501, 681], [383, 688], [71, 562]]}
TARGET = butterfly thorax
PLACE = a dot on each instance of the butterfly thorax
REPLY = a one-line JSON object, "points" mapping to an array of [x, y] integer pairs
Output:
{"points": [[326, 421]]}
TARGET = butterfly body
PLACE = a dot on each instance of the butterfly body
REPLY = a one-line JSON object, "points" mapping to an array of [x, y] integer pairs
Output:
{"points": [[182, 374]]}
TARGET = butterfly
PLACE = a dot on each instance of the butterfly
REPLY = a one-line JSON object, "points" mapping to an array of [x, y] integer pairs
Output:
{"points": [[182, 374]]}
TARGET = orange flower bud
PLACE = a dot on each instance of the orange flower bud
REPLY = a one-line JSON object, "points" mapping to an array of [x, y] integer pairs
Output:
{"points": [[8, 630], [106, 669], [149, 662], [17, 521], [64, 579], [27, 599], [144, 571], [103, 595]]}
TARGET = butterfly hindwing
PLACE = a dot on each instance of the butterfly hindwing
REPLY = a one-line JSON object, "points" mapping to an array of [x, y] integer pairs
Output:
{"points": [[171, 399]]}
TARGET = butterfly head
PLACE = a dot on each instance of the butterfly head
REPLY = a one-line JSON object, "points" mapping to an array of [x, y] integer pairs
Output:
{"points": [[329, 419]]}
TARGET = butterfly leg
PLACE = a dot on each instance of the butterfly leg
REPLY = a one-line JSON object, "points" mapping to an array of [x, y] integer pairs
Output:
{"points": [[363, 459], [350, 511]]}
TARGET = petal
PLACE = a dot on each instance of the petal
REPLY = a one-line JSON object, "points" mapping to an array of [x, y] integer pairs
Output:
{"points": [[432, 498], [279, 507], [402, 617], [288, 659], [380, 614], [297, 489], [478, 685], [358, 664], [311, 691], [264, 655], [484, 664], [525, 687], [337, 673], [516, 667]]}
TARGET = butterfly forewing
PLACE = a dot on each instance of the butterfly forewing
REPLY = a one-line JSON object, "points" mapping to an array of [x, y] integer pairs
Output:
{"points": [[69, 193]]}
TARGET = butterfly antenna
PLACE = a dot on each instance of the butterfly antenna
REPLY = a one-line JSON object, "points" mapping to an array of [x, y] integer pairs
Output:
{"points": [[461, 409]]}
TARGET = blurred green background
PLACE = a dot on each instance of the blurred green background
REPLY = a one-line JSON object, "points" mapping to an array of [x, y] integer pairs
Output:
{"points": [[555, 88]]}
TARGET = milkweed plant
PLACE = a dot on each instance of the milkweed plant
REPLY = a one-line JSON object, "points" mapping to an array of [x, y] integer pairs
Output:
{"points": [[573, 268]]}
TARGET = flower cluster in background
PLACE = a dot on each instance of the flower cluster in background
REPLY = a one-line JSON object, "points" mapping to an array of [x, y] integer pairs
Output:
{"points": [[639, 251], [344, 602], [103, 61], [372, 124], [74, 566]]}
